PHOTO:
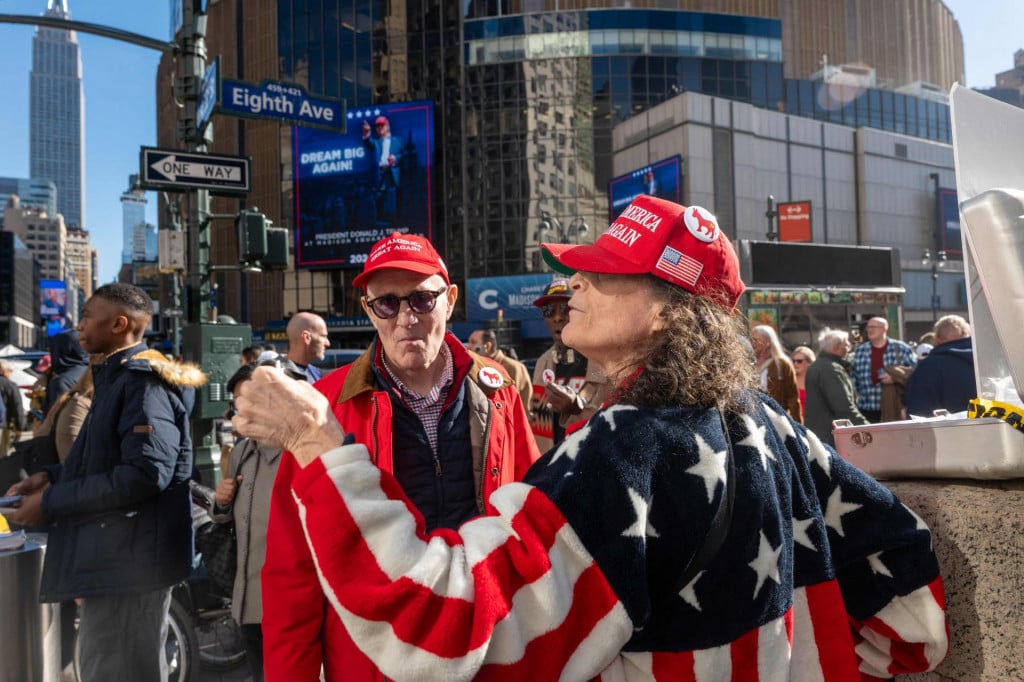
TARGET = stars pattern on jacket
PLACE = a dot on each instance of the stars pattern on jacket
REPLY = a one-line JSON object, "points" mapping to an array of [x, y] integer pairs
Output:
{"points": [[664, 477]]}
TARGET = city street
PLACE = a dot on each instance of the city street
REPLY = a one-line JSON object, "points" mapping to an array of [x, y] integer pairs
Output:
{"points": [[239, 674]]}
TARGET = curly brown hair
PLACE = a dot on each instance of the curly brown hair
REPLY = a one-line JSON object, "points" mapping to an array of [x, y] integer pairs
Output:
{"points": [[697, 359]]}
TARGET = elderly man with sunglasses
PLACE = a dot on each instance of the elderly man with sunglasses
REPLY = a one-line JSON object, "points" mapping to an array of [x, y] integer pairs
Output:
{"points": [[567, 389], [447, 423]]}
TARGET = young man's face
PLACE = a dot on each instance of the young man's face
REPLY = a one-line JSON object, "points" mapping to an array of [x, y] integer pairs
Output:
{"points": [[103, 326]]}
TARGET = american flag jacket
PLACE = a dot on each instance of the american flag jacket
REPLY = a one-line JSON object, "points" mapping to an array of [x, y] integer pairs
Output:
{"points": [[822, 574]]}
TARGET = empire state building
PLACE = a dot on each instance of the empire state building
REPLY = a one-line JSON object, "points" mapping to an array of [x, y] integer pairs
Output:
{"points": [[57, 112]]}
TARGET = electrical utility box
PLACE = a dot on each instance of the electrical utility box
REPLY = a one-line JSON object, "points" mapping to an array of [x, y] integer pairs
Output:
{"points": [[217, 348]]}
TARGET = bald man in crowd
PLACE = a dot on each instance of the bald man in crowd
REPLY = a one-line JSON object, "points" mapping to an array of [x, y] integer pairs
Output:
{"points": [[307, 342]]}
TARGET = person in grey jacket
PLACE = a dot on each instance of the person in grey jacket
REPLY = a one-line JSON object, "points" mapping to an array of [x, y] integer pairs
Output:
{"points": [[830, 393], [245, 499]]}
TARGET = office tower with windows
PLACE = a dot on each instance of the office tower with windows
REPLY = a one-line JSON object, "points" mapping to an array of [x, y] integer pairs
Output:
{"points": [[57, 115], [133, 217]]}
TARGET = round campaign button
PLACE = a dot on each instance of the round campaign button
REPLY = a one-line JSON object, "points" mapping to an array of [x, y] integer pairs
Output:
{"points": [[490, 377], [701, 223]]}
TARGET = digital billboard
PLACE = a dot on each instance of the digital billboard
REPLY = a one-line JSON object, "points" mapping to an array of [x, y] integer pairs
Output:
{"points": [[663, 179], [352, 189], [53, 304]]}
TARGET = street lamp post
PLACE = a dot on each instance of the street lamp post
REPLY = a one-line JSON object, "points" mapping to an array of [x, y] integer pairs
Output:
{"points": [[550, 224], [936, 263], [771, 214], [939, 261]]}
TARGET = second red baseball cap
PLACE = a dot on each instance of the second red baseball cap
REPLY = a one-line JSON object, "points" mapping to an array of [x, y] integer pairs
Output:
{"points": [[682, 245]]}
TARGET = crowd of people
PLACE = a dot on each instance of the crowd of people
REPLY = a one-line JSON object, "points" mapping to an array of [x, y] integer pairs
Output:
{"points": [[885, 379], [659, 499]]}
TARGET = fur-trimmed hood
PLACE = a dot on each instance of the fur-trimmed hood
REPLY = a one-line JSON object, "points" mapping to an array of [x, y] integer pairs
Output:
{"points": [[174, 372]]}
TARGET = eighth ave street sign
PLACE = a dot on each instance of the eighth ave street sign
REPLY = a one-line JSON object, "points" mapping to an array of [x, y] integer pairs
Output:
{"points": [[175, 170]]}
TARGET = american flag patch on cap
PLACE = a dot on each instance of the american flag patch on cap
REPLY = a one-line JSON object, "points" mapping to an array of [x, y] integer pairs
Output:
{"points": [[679, 265]]}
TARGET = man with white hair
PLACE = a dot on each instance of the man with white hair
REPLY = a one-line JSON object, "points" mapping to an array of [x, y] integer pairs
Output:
{"points": [[944, 379], [830, 393], [446, 422]]}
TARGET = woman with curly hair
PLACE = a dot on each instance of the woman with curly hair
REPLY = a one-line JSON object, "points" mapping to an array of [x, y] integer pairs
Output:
{"points": [[690, 529]]}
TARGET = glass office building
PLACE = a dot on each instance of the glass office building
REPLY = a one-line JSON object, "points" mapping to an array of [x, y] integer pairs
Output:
{"points": [[526, 103]]}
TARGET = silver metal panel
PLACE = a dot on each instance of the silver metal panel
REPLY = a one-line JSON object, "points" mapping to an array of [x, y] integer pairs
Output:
{"points": [[988, 147], [29, 631], [982, 449]]}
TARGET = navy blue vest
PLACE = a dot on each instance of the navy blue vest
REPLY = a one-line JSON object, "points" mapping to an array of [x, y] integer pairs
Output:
{"points": [[443, 491]]}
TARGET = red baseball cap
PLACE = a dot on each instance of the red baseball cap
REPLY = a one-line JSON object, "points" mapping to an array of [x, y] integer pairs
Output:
{"points": [[380, 119], [403, 252], [682, 245]]}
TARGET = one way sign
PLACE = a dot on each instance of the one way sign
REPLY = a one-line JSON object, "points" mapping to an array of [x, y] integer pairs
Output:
{"points": [[173, 170]]}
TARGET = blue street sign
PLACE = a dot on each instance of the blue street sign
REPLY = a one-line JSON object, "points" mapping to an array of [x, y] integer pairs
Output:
{"points": [[282, 102], [208, 95]]}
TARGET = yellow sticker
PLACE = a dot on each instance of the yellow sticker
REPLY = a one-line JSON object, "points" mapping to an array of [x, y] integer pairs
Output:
{"points": [[1011, 414]]}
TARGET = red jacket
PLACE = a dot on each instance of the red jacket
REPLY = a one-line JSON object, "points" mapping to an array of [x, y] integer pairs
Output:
{"points": [[300, 630]]}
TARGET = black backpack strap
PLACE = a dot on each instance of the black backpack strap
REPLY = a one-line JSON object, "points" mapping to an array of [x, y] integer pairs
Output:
{"points": [[720, 523]]}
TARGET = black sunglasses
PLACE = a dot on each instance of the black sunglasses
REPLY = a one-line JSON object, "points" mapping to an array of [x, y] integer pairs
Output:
{"points": [[420, 302], [548, 309]]}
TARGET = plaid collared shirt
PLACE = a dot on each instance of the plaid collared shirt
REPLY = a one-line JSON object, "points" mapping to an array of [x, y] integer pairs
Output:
{"points": [[427, 407], [869, 393]]}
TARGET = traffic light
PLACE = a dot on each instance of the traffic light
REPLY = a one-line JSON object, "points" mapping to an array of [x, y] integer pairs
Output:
{"points": [[277, 249], [252, 236], [259, 244]]}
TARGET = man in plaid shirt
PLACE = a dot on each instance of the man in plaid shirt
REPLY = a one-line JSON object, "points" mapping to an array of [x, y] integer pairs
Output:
{"points": [[869, 363]]}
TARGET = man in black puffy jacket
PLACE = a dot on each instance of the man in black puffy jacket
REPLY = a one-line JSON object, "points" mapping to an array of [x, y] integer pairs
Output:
{"points": [[119, 509]]}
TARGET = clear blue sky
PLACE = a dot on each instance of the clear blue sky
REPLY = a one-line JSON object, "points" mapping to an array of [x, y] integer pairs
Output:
{"points": [[120, 107], [120, 93]]}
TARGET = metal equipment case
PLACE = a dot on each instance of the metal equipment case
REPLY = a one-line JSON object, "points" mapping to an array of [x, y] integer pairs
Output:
{"points": [[987, 149]]}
